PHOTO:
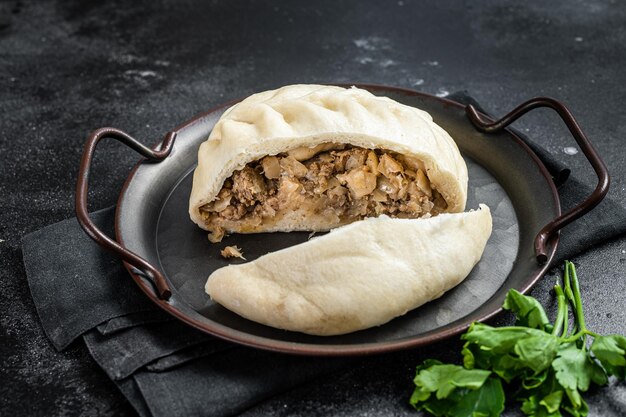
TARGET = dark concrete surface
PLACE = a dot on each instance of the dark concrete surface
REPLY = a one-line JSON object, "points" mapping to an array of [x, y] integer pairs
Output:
{"points": [[68, 67]]}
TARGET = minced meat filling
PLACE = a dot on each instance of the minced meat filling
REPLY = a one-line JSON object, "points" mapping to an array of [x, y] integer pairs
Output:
{"points": [[348, 183]]}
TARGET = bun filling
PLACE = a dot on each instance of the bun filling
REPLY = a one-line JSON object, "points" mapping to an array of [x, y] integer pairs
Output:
{"points": [[325, 186]]}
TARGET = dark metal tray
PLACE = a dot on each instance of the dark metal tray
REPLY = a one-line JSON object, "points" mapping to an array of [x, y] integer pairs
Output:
{"points": [[170, 258]]}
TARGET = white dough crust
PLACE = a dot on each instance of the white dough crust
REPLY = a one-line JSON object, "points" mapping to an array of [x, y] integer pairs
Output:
{"points": [[357, 276], [276, 121]]}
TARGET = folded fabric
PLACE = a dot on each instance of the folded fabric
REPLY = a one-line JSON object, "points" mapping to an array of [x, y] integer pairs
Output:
{"points": [[133, 319], [229, 381], [124, 352], [165, 367], [214, 379], [74, 283], [189, 354]]}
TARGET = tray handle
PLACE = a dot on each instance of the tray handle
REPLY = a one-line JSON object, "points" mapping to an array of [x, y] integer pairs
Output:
{"points": [[157, 154], [585, 145]]}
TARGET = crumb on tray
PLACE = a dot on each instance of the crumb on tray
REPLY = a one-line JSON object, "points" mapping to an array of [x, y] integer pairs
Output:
{"points": [[232, 252]]}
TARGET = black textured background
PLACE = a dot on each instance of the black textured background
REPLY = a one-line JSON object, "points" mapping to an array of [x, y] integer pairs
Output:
{"points": [[68, 67]]}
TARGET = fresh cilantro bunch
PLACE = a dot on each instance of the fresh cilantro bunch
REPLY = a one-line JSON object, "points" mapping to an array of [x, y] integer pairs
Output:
{"points": [[546, 366]]}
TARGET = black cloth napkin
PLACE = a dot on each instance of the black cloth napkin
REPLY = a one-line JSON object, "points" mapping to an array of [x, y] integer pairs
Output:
{"points": [[166, 368], [163, 367], [75, 285]]}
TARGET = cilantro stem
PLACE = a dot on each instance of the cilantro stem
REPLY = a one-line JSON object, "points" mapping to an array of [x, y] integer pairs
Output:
{"points": [[570, 295], [577, 336], [580, 315], [561, 322]]}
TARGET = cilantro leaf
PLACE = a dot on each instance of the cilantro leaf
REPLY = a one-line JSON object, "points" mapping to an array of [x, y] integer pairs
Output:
{"points": [[528, 310], [509, 351], [486, 401], [611, 352], [545, 399], [577, 407], [443, 379], [498, 339], [537, 352], [574, 397], [533, 381], [552, 401], [550, 398], [458, 392], [536, 407], [575, 369]]}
